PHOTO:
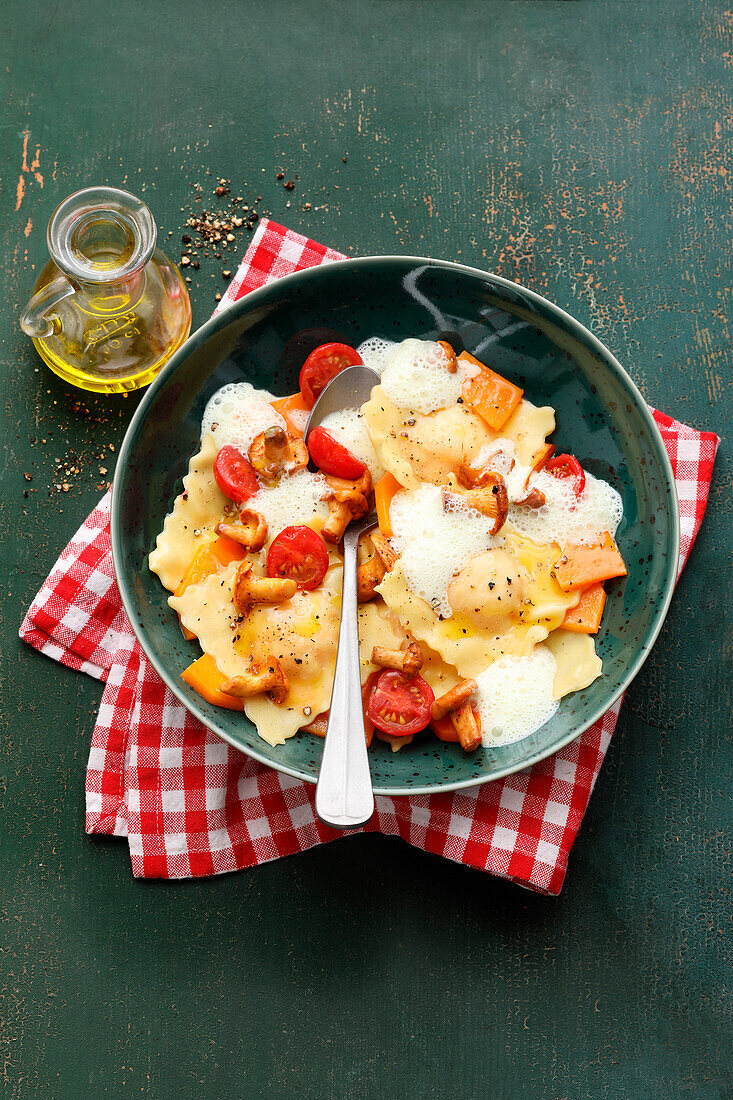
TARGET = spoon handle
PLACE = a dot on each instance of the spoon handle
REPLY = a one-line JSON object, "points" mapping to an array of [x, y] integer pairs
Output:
{"points": [[344, 796]]}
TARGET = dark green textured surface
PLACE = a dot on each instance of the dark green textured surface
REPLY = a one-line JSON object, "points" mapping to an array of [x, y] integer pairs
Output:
{"points": [[583, 149]]}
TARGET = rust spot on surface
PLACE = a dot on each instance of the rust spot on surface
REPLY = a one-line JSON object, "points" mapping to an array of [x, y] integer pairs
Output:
{"points": [[26, 169]]}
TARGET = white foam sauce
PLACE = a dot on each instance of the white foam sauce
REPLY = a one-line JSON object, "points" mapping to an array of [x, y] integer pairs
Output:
{"points": [[436, 542], [295, 499], [375, 353], [515, 696], [416, 377], [237, 413], [500, 456], [563, 518], [348, 427]]}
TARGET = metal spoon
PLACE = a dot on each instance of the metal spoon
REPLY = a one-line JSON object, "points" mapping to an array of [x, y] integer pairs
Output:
{"points": [[344, 796]]}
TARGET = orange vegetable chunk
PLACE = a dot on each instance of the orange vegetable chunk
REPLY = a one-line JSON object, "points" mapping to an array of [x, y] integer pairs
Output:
{"points": [[204, 677], [221, 552], [488, 394], [580, 566], [292, 409], [586, 617], [444, 729], [384, 490]]}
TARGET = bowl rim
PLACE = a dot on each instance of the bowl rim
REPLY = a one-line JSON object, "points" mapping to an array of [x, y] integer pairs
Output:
{"points": [[242, 305]]}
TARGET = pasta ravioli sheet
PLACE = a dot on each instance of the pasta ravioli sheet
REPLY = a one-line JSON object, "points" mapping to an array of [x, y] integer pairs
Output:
{"points": [[457, 642], [417, 449], [197, 510], [301, 633]]}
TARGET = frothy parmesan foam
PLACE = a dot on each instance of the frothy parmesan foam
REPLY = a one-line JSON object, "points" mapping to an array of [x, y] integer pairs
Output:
{"points": [[375, 353], [237, 413], [501, 457], [294, 500], [515, 696], [416, 377], [563, 518], [435, 543], [348, 427]]}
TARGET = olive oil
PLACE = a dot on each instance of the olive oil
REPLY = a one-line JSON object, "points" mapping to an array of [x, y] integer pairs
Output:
{"points": [[109, 308]]}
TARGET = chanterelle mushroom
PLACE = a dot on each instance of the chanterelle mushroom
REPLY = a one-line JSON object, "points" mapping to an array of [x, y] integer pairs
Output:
{"points": [[474, 477], [467, 724], [347, 501], [250, 589], [409, 660], [490, 499], [454, 698], [275, 450], [369, 574], [384, 548], [464, 716], [266, 678], [251, 532]]}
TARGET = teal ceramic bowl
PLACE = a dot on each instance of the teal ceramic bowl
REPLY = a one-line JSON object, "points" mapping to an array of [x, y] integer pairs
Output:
{"points": [[601, 418]]}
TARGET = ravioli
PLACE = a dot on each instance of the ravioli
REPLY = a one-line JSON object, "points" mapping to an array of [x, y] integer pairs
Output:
{"points": [[197, 510], [578, 664], [457, 640], [417, 449], [301, 633]]}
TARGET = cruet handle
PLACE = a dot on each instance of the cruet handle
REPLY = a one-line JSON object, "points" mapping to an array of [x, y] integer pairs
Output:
{"points": [[37, 319]]}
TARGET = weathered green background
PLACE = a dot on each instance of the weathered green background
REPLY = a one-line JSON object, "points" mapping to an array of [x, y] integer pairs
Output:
{"points": [[583, 149]]}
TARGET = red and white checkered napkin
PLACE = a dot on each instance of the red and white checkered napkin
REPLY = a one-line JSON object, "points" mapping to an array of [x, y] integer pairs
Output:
{"points": [[191, 805]]}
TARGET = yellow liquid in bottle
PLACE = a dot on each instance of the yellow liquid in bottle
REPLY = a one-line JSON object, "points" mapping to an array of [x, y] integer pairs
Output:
{"points": [[114, 338]]}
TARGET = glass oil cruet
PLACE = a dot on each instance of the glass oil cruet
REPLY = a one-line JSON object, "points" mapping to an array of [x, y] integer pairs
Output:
{"points": [[109, 308]]}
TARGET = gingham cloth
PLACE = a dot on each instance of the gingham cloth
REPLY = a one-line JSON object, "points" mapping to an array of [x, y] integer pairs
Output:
{"points": [[190, 805]]}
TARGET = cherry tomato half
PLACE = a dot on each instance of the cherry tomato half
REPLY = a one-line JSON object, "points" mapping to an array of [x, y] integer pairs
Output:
{"points": [[400, 705], [568, 466], [321, 366], [300, 554], [367, 690], [234, 475], [332, 457]]}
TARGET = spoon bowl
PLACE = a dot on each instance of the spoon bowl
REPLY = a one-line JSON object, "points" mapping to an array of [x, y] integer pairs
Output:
{"points": [[348, 390]]}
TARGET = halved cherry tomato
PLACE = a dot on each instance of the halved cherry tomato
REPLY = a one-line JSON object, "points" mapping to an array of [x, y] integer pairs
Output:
{"points": [[321, 366], [332, 457], [367, 690], [300, 554], [400, 705], [234, 475], [568, 466]]}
